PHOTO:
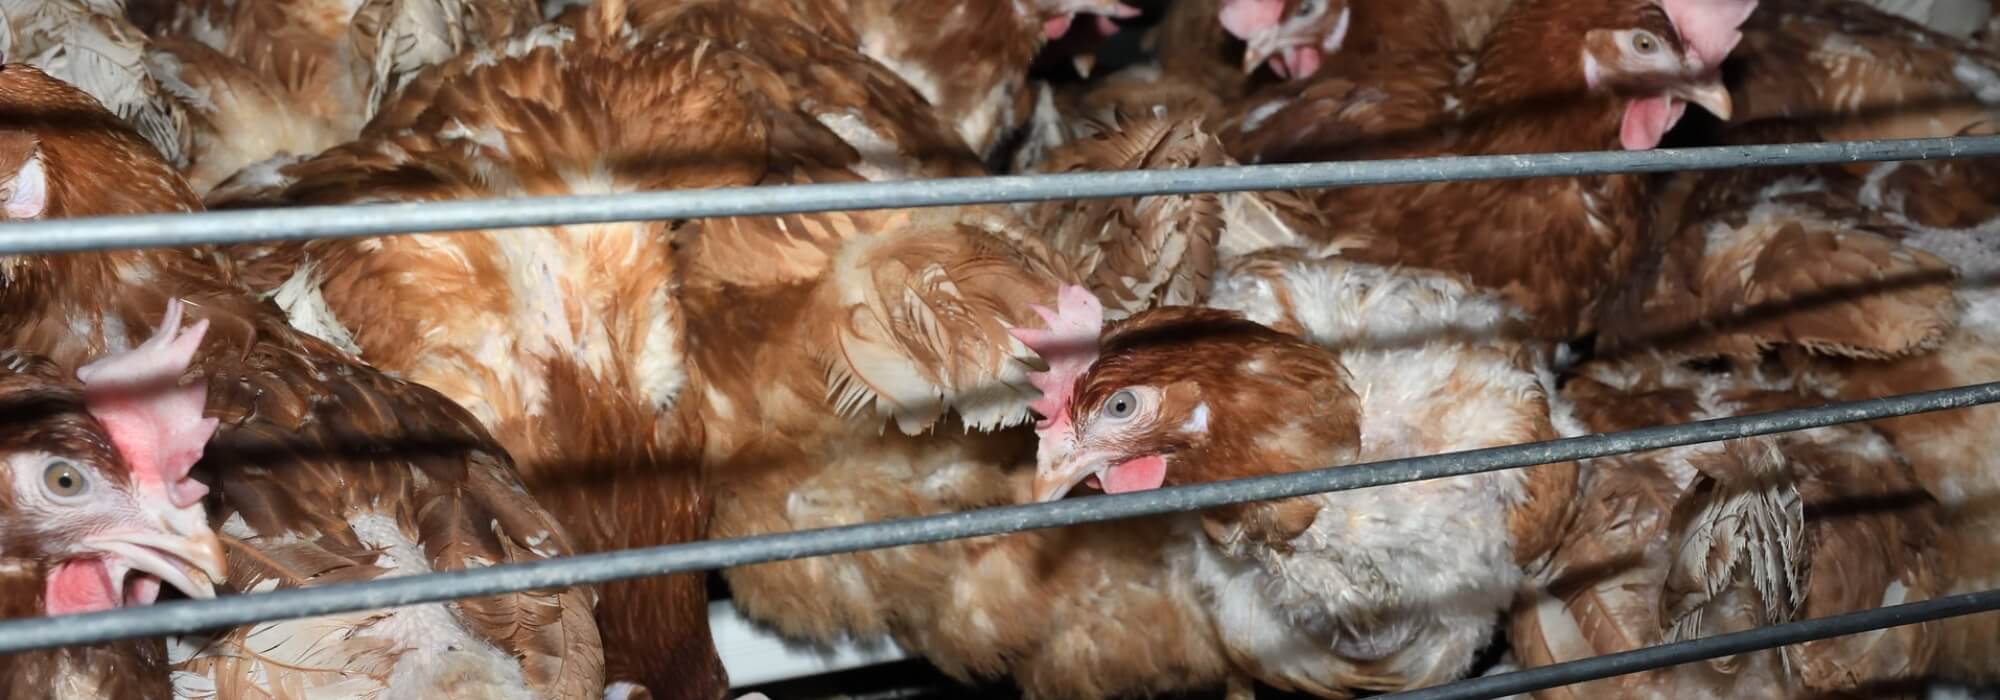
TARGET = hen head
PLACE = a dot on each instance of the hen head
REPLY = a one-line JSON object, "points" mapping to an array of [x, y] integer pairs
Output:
{"points": [[1660, 56], [96, 485], [1177, 395], [1292, 35]]}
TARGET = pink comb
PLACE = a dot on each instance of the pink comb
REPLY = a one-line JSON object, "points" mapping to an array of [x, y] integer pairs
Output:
{"points": [[1709, 27], [155, 421], [1106, 26], [1244, 18], [1068, 345]]}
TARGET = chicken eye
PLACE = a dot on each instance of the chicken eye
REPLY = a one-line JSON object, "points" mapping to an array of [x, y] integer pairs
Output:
{"points": [[1644, 42], [1121, 405], [1306, 8], [64, 480]]}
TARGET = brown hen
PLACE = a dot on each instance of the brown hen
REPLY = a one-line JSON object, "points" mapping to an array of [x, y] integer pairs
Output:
{"points": [[755, 348], [1139, 253], [1322, 594], [1863, 280], [1553, 75], [95, 514], [1714, 538], [325, 469], [567, 342]]}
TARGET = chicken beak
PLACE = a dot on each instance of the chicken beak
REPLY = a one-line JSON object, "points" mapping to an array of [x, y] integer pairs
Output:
{"points": [[1052, 482], [1083, 63], [1259, 49], [181, 551], [1709, 94], [191, 564]]}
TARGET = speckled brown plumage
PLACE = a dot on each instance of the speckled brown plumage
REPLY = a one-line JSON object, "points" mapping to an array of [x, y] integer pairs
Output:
{"points": [[343, 60], [1856, 72], [302, 45], [1555, 246], [587, 407], [1144, 252], [786, 339], [1708, 539], [324, 468], [968, 60], [236, 115], [1754, 259]]}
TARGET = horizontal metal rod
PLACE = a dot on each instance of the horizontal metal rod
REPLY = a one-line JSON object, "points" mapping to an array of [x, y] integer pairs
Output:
{"points": [[1774, 636], [188, 616], [262, 225]]}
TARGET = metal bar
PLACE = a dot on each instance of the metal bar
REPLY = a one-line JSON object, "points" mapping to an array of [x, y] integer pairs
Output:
{"points": [[189, 616], [299, 223], [1608, 665]]}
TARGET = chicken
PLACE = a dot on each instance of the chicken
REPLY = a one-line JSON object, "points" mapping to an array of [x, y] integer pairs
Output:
{"points": [[301, 45], [324, 469], [207, 113], [99, 509], [571, 347], [848, 319], [1854, 72], [341, 60], [1862, 280], [1135, 254], [237, 117], [1856, 304], [903, 319], [90, 44], [1293, 36], [1308, 363], [1554, 75], [1707, 539], [1751, 260], [969, 60], [1842, 71]]}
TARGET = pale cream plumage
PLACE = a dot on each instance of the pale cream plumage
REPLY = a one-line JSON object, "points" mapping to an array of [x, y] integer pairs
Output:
{"points": [[90, 44]]}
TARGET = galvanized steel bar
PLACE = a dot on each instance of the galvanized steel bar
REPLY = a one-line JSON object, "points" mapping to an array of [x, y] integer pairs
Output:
{"points": [[189, 616], [264, 225], [1664, 655]]}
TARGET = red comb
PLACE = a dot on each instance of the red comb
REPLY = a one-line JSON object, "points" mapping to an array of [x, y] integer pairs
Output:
{"points": [[1244, 18], [155, 421], [1068, 345], [1709, 27]]}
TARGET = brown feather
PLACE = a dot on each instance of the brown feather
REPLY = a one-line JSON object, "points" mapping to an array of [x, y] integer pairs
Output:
{"points": [[315, 447], [1667, 546], [1758, 259]]}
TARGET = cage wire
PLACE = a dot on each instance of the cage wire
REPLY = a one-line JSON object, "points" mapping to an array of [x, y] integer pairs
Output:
{"points": [[302, 223], [376, 219]]}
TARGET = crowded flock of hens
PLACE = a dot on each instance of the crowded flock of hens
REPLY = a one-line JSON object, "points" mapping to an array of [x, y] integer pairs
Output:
{"points": [[238, 419]]}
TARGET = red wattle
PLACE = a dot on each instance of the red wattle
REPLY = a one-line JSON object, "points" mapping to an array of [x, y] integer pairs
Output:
{"points": [[1056, 27], [1139, 474], [78, 586]]}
